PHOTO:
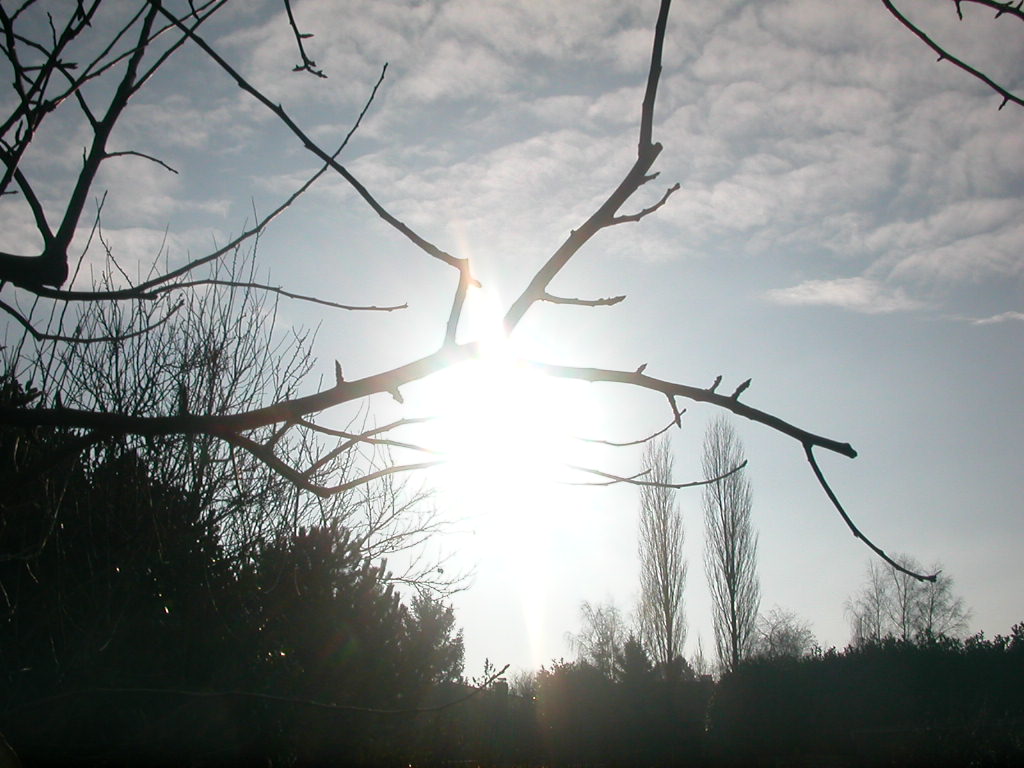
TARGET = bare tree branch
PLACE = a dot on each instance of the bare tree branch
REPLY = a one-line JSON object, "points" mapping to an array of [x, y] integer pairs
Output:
{"points": [[609, 302], [307, 65], [809, 451], [76, 339], [270, 289], [628, 443], [672, 389], [943, 54], [149, 289], [632, 479], [312, 146]]}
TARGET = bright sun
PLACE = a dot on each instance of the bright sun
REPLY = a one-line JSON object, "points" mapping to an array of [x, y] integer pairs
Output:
{"points": [[507, 431], [509, 435]]}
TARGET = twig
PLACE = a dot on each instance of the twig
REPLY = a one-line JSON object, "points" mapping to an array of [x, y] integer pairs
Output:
{"points": [[143, 155], [809, 451], [310, 145], [145, 290], [698, 394], [271, 289], [41, 336], [632, 479], [605, 215], [609, 302], [307, 65], [943, 54], [298, 478], [641, 441]]}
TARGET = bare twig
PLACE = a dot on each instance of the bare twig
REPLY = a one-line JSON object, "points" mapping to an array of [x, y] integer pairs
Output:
{"points": [[76, 339], [310, 145], [608, 302], [146, 290], [672, 389], [143, 155], [649, 210], [270, 289], [809, 451], [633, 479], [307, 65], [605, 215], [298, 478], [943, 54], [641, 441]]}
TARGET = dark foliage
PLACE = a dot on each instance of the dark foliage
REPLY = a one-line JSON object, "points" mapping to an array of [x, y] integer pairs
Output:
{"points": [[936, 701], [128, 635]]}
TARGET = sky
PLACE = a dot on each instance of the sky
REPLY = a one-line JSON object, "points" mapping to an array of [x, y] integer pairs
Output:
{"points": [[848, 233]]}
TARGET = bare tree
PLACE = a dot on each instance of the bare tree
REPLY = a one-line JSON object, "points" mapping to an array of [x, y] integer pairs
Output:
{"points": [[81, 66], [868, 610], [891, 604], [699, 662], [730, 545], [601, 636], [940, 612], [782, 634], [221, 350], [662, 562]]}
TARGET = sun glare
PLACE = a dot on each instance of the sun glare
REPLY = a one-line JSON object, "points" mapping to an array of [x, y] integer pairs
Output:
{"points": [[506, 430], [509, 436]]}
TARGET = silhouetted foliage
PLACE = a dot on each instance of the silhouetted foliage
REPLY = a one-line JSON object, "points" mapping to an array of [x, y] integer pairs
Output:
{"points": [[129, 634], [937, 701]]}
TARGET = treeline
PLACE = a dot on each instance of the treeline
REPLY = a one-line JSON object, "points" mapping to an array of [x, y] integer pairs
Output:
{"points": [[924, 702]]}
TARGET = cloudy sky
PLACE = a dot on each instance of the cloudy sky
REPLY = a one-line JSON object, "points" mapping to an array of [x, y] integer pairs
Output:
{"points": [[849, 233]]}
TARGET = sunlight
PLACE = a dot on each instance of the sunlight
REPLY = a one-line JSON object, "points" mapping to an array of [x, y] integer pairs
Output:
{"points": [[507, 430]]}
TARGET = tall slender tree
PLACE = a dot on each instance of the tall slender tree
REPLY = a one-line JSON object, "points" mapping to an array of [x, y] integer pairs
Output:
{"points": [[730, 545], [662, 563]]}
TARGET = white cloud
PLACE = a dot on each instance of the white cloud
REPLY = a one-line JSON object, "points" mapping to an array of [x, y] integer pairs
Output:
{"points": [[857, 294], [1002, 317], [967, 240]]}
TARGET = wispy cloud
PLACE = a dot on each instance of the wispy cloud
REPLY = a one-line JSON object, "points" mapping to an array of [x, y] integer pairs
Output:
{"points": [[857, 294], [1003, 317]]}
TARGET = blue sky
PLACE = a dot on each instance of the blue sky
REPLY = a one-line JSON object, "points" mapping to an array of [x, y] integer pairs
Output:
{"points": [[849, 233]]}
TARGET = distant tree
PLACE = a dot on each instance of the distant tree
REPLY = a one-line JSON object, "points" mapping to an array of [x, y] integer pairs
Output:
{"points": [[892, 604], [940, 612], [601, 636], [434, 641], [868, 610], [698, 661], [662, 562], [730, 545], [524, 684], [782, 634], [632, 664]]}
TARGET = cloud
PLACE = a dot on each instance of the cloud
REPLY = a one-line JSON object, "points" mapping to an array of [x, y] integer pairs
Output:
{"points": [[1003, 317], [966, 240], [857, 294]]}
